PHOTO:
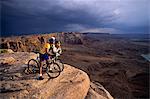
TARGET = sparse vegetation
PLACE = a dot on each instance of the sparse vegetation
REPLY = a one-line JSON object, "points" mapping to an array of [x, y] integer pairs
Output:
{"points": [[3, 51]]}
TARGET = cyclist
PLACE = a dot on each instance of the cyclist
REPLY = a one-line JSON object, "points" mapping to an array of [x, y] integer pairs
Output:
{"points": [[56, 49], [44, 54]]}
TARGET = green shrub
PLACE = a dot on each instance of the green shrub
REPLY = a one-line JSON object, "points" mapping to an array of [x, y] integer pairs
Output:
{"points": [[3, 51]]}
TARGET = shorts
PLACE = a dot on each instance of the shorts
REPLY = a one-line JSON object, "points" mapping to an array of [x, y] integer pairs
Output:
{"points": [[44, 57]]}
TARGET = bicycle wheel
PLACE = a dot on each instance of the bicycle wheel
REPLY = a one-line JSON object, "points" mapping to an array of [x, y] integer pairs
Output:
{"points": [[61, 65], [53, 70], [33, 66]]}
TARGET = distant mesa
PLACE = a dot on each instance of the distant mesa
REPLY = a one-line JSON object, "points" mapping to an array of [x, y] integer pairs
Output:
{"points": [[32, 42], [96, 33]]}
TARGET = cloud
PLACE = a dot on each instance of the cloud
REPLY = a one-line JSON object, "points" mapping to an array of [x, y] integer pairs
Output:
{"points": [[74, 15], [82, 28], [117, 11], [75, 27], [103, 30], [134, 13]]}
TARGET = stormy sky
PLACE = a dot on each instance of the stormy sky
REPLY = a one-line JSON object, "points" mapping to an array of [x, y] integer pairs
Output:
{"points": [[40, 16]]}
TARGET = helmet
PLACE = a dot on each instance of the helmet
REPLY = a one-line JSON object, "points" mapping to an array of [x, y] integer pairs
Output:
{"points": [[52, 40]]}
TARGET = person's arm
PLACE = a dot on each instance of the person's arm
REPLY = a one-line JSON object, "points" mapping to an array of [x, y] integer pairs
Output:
{"points": [[47, 48], [59, 50], [54, 49]]}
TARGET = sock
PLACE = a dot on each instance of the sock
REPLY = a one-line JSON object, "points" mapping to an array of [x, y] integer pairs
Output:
{"points": [[40, 75]]}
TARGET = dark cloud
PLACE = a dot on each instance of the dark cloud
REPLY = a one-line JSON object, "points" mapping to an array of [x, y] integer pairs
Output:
{"points": [[30, 16]]}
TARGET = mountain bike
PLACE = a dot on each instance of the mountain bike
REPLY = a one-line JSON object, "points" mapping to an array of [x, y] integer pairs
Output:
{"points": [[53, 66]]}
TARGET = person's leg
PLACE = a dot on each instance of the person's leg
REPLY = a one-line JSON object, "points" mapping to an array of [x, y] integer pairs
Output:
{"points": [[41, 64]]}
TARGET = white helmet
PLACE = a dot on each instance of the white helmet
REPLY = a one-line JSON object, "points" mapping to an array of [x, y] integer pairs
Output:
{"points": [[52, 40]]}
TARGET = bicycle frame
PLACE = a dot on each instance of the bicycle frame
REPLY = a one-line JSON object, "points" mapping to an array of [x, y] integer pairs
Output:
{"points": [[52, 60]]}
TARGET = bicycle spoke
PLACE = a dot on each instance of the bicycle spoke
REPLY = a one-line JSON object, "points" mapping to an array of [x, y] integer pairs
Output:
{"points": [[61, 65], [33, 66], [53, 70]]}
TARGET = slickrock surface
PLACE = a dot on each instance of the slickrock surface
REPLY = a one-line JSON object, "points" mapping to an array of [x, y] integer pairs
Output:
{"points": [[71, 84]]}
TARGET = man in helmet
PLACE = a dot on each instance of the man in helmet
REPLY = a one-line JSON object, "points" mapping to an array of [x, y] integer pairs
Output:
{"points": [[56, 49], [44, 54]]}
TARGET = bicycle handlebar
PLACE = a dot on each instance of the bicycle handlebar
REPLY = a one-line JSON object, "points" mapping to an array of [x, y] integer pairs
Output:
{"points": [[53, 59], [36, 52]]}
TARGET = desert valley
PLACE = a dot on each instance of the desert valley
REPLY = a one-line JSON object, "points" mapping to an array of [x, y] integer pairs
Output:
{"points": [[112, 60]]}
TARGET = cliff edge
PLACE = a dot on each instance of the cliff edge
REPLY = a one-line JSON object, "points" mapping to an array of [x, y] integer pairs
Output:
{"points": [[71, 84]]}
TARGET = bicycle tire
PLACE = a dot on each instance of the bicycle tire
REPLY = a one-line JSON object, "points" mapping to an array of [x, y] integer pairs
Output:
{"points": [[60, 63], [33, 66], [53, 70]]}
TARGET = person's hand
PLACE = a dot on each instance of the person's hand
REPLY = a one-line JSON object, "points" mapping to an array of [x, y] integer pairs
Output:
{"points": [[48, 54], [59, 45], [57, 54]]}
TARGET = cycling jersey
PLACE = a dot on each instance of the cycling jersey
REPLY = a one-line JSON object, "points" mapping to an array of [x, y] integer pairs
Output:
{"points": [[46, 45], [55, 51]]}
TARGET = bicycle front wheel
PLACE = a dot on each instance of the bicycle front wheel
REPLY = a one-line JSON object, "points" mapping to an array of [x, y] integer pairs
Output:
{"points": [[33, 66], [53, 70], [61, 65]]}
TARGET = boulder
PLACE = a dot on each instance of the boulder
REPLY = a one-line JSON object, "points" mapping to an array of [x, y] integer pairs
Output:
{"points": [[97, 91], [17, 57], [6, 60], [10, 51], [6, 51]]}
